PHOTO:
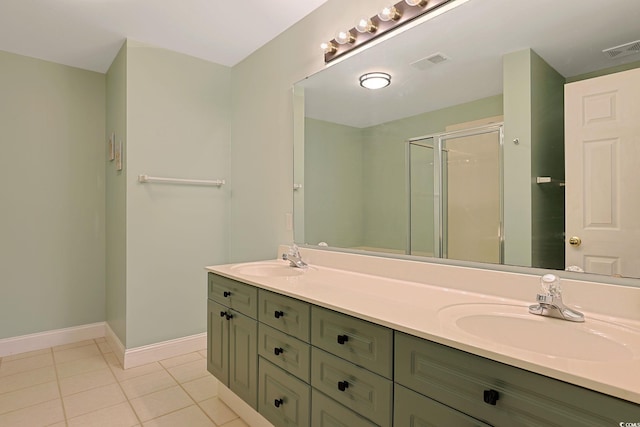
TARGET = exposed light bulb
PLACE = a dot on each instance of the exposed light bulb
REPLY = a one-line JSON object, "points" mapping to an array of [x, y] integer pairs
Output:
{"points": [[344, 37], [420, 3], [389, 13], [328, 47], [365, 25]]}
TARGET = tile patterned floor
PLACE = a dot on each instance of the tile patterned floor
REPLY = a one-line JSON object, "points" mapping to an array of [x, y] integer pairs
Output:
{"points": [[83, 385]]}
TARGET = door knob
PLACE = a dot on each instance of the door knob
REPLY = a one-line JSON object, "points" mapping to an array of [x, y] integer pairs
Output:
{"points": [[575, 241]]}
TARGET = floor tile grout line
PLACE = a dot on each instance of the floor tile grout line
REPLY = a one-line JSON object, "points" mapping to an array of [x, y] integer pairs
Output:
{"points": [[111, 367], [135, 414]]}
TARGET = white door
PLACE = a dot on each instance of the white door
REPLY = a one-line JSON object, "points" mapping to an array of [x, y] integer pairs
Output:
{"points": [[602, 159]]}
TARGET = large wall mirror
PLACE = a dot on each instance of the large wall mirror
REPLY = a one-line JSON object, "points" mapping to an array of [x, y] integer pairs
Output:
{"points": [[488, 145]]}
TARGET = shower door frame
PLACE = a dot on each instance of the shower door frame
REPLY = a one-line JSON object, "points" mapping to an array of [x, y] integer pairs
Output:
{"points": [[437, 144]]}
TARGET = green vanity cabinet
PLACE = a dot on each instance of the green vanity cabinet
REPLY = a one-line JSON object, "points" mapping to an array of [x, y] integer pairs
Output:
{"points": [[303, 365], [500, 394], [232, 337]]}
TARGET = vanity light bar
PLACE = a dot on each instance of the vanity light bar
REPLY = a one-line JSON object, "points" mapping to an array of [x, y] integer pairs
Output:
{"points": [[404, 11]]}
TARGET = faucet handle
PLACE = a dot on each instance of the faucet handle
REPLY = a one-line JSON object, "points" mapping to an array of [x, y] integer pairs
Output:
{"points": [[294, 250], [550, 286]]}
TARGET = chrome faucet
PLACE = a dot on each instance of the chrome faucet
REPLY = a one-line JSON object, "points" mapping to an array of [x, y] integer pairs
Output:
{"points": [[294, 257], [550, 301]]}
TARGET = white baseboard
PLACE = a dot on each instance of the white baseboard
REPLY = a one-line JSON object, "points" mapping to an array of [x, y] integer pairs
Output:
{"points": [[115, 344], [154, 352], [242, 408], [41, 340], [130, 358]]}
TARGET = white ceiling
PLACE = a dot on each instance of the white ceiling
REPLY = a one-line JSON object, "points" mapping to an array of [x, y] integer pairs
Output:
{"points": [[88, 33], [569, 34]]}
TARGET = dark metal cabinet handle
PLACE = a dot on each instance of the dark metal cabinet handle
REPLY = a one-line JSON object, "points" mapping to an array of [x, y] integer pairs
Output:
{"points": [[342, 339], [278, 314], [226, 294], [278, 402], [343, 385], [491, 397], [222, 314], [278, 351], [229, 316]]}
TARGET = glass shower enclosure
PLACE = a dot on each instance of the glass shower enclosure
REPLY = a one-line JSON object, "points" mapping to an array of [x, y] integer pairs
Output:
{"points": [[455, 195]]}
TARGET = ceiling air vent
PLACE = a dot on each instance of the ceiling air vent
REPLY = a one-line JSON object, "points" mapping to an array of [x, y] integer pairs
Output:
{"points": [[424, 63], [626, 49]]}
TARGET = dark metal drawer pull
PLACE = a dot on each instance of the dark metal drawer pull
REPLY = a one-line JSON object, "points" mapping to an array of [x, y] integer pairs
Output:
{"points": [[222, 314], [226, 294], [343, 385], [278, 402], [342, 339], [278, 351], [278, 314], [491, 397], [229, 316]]}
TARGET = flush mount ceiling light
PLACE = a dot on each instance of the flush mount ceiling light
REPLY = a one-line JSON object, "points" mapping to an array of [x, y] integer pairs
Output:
{"points": [[375, 80], [389, 18]]}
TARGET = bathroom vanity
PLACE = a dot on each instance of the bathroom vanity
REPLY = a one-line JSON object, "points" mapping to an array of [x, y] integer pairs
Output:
{"points": [[406, 344]]}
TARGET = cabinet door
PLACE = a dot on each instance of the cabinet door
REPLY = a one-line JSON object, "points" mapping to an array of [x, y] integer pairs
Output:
{"points": [[416, 410], [217, 342], [284, 400], [243, 357]]}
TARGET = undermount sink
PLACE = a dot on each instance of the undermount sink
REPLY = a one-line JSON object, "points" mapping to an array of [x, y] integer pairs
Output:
{"points": [[513, 326], [268, 269]]}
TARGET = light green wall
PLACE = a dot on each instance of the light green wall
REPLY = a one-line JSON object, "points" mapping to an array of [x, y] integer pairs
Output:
{"points": [[177, 126], [52, 190], [517, 157], [334, 176], [116, 202], [384, 166], [262, 127], [534, 114], [547, 159], [611, 70]]}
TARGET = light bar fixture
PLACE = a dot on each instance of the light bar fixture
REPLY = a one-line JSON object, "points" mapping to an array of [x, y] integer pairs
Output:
{"points": [[367, 29]]}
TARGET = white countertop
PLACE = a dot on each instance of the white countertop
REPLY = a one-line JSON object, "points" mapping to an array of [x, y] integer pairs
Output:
{"points": [[416, 308]]}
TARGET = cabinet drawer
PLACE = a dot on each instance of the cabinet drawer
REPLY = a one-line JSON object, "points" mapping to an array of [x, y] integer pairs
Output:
{"points": [[282, 398], [413, 409], [286, 314], [284, 351], [361, 342], [326, 412], [366, 393], [460, 380], [233, 294]]}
